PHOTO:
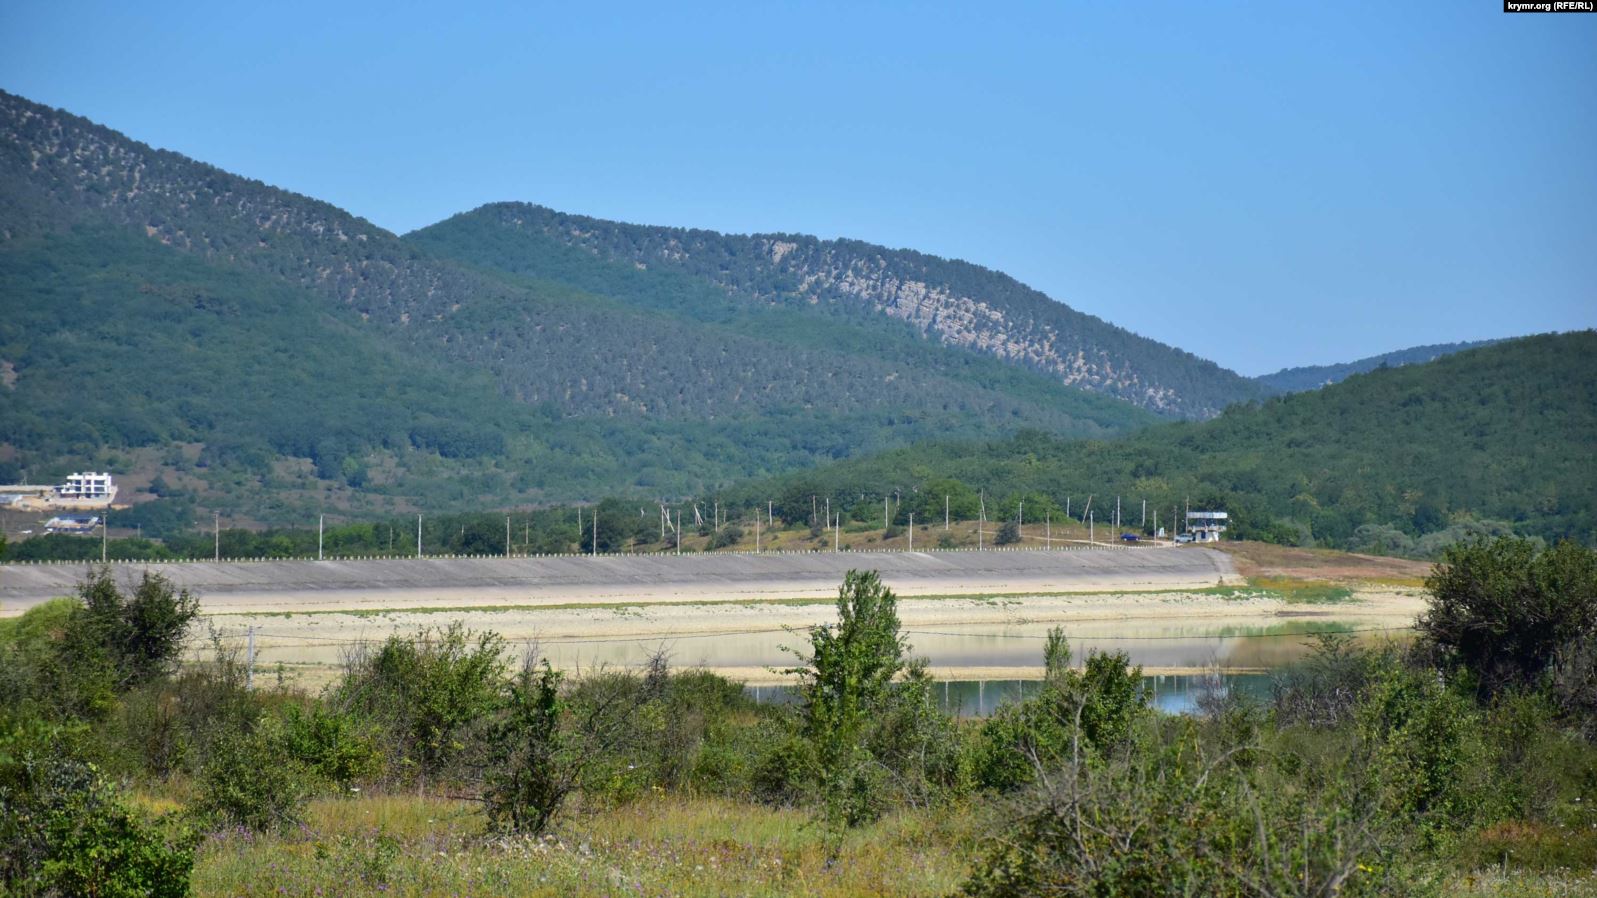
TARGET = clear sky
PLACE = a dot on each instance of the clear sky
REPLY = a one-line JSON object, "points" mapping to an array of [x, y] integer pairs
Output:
{"points": [[1264, 184]]}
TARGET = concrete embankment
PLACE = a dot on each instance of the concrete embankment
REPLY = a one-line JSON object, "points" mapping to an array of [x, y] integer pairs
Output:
{"points": [[364, 584]]}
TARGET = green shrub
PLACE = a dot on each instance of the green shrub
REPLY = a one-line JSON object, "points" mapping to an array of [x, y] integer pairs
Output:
{"points": [[432, 692], [1322, 690], [730, 535], [333, 745], [250, 780], [784, 771], [65, 831], [533, 767], [1166, 814], [1077, 713], [1423, 750], [1008, 534]]}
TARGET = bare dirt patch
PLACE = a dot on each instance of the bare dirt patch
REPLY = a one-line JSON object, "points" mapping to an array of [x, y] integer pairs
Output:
{"points": [[1263, 560]]}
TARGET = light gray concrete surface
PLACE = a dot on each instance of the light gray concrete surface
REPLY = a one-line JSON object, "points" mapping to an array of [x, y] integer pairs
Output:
{"points": [[546, 580]]}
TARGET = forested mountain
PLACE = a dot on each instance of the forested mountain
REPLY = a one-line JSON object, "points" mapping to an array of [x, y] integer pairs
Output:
{"points": [[1312, 377], [952, 303], [261, 350], [1495, 437]]}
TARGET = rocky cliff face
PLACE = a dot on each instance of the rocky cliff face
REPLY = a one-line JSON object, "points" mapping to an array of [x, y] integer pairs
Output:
{"points": [[956, 303]]}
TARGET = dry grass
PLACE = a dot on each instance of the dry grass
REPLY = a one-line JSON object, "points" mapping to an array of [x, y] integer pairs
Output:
{"points": [[424, 847], [1267, 561]]}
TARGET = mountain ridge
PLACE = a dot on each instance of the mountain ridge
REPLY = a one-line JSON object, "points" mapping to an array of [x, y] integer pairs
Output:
{"points": [[1309, 377], [593, 387], [954, 302]]}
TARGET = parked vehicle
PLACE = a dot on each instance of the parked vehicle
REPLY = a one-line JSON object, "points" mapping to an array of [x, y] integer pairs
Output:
{"points": [[1129, 537], [1184, 538]]}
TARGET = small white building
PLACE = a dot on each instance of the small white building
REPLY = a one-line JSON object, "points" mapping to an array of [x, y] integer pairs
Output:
{"points": [[1206, 526], [90, 487]]}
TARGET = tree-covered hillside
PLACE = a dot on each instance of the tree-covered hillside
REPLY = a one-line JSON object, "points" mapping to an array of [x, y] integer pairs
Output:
{"points": [[1312, 377], [952, 303], [296, 352], [1505, 433]]}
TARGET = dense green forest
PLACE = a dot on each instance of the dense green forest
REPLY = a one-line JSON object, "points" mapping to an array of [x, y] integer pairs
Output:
{"points": [[1311, 377], [1501, 437], [952, 303], [1398, 461], [267, 355]]}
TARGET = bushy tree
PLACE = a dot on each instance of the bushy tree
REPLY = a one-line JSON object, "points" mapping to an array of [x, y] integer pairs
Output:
{"points": [[427, 689], [1505, 610], [141, 635], [1008, 534], [844, 686], [528, 777]]}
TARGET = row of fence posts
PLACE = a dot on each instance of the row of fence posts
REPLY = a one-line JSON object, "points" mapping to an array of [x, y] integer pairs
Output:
{"points": [[834, 522]]}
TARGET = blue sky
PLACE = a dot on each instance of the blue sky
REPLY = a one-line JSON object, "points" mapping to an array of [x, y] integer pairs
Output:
{"points": [[1263, 184]]}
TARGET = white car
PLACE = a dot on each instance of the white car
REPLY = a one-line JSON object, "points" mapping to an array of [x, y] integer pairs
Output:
{"points": [[1184, 538]]}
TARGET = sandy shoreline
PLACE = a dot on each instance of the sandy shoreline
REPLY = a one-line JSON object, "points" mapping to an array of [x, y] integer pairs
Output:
{"points": [[965, 638]]}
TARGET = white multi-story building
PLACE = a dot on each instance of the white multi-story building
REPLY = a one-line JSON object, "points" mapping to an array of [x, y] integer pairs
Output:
{"points": [[89, 487], [1206, 526]]}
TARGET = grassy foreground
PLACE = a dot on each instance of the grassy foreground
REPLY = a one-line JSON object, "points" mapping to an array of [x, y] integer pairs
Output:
{"points": [[411, 846], [427, 846]]}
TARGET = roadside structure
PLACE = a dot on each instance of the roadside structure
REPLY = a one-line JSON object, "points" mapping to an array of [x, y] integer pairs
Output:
{"points": [[1206, 526]]}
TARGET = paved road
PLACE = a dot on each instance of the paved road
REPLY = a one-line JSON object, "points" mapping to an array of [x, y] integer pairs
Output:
{"points": [[467, 582]]}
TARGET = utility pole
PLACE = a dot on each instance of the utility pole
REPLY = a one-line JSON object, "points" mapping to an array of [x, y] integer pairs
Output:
{"points": [[679, 531], [1048, 530], [216, 534], [756, 530], [1117, 513], [770, 517], [1144, 523], [837, 533], [887, 520], [321, 525], [507, 536], [249, 666], [1092, 523], [596, 533], [418, 536], [105, 532], [912, 531], [945, 511], [981, 516]]}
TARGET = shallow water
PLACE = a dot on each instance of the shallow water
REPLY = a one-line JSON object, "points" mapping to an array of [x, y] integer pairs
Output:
{"points": [[1170, 693], [997, 652]]}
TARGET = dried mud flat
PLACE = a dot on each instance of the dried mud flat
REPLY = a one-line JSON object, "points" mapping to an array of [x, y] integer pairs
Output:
{"points": [[972, 614], [963, 637]]}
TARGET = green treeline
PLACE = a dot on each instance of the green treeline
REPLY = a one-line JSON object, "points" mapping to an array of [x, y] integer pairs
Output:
{"points": [[1397, 461], [1400, 460], [1383, 770]]}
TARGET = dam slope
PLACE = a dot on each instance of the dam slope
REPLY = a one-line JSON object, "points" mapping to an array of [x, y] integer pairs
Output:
{"points": [[443, 582]]}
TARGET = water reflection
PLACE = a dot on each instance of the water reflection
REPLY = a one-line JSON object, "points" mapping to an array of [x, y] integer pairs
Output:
{"points": [[1170, 693]]}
